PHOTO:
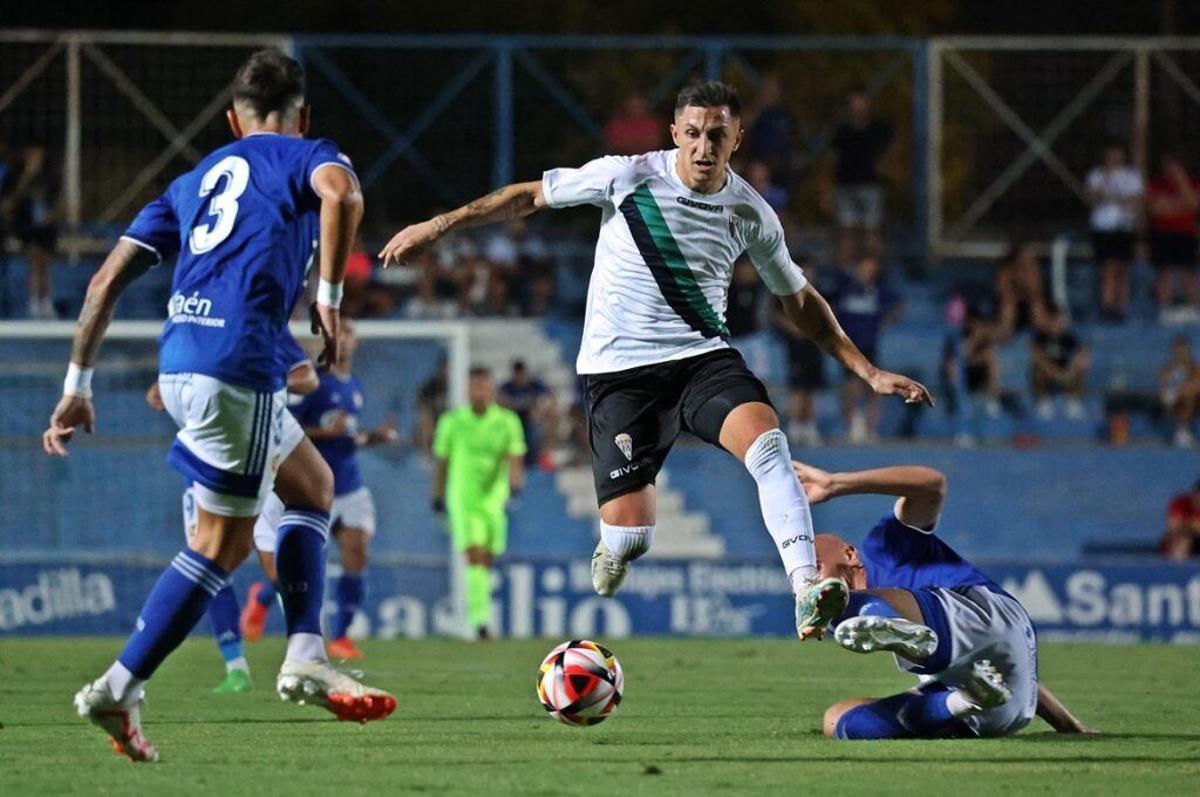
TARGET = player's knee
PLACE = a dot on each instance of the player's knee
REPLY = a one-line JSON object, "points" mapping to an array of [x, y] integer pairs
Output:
{"points": [[833, 714]]}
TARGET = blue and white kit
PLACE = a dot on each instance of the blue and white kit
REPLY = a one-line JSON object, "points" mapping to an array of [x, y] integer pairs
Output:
{"points": [[245, 223], [973, 617]]}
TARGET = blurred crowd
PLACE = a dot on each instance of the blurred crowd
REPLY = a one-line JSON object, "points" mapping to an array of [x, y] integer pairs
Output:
{"points": [[511, 271]]}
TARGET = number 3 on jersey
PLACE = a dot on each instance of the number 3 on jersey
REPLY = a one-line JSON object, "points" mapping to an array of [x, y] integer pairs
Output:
{"points": [[224, 205]]}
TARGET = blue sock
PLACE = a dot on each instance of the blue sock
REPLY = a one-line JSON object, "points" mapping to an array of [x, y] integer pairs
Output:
{"points": [[224, 614], [267, 594], [300, 565], [179, 599], [923, 715], [861, 603], [350, 591]]}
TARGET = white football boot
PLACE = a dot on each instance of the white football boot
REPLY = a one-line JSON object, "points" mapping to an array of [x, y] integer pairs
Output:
{"points": [[986, 688], [121, 721], [318, 684], [608, 571], [870, 634]]}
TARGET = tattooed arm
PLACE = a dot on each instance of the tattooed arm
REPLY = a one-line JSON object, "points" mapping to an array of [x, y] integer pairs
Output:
{"points": [[124, 264], [509, 202]]}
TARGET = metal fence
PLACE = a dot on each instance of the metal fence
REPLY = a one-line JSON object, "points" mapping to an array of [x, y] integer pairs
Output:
{"points": [[993, 135]]}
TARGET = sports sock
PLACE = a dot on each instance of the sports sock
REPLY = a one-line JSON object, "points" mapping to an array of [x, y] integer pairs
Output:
{"points": [[479, 596], [923, 715], [960, 705], [350, 591], [865, 603], [300, 565], [224, 614], [784, 506], [267, 594], [627, 542], [179, 598]]}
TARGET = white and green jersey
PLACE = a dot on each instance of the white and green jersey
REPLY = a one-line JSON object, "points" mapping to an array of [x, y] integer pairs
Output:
{"points": [[665, 257]]}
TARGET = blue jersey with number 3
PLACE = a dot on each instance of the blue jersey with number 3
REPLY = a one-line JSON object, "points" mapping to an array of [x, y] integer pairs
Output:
{"points": [[245, 223]]}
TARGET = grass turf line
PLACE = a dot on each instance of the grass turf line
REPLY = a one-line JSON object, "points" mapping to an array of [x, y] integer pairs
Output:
{"points": [[699, 716]]}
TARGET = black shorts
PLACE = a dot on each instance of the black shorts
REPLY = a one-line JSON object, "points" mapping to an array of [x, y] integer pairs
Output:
{"points": [[634, 416], [1172, 249], [1112, 245], [806, 365]]}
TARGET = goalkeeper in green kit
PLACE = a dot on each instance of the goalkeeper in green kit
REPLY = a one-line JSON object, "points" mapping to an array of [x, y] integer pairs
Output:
{"points": [[478, 451]]}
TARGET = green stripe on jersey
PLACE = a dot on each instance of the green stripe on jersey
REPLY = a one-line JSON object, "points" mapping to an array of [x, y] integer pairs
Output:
{"points": [[665, 242]]}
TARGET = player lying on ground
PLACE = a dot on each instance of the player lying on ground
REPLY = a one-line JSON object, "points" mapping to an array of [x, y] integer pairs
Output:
{"points": [[244, 223], [971, 643], [329, 416], [479, 461], [655, 356], [224, 613]]}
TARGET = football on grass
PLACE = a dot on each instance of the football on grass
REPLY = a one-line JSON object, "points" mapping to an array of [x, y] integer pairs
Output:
{"points": [[580, 683]]}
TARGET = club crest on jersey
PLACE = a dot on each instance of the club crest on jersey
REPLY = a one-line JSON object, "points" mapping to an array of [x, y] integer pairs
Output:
{"points": [[625, 443]]}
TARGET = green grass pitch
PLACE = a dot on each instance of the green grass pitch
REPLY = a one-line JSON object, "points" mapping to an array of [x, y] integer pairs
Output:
{"points": [[699, 717]]}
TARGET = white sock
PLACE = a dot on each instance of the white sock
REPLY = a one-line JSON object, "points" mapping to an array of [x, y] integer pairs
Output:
{"points": [[784, 506], [122, 684], [306, 648], [239, 663], [960, 705], [627, 542]]}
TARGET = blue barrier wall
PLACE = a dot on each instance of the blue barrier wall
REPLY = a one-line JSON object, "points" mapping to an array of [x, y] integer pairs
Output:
{"points": [[554, 598]]}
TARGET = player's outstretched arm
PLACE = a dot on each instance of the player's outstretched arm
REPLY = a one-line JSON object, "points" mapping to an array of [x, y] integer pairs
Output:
{"points": [[809, 311], [509, 202], [341, 211], [125, 263], [1057, 716], [922, 490]]}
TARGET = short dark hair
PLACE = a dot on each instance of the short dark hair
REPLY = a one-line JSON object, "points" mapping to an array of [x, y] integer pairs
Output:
{"points": [[709, 94], [269, 81], [480, 371]]}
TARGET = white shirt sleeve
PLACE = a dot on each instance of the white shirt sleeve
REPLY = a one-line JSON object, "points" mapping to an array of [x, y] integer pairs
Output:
{"points": [[769, 254], [590, 184]]}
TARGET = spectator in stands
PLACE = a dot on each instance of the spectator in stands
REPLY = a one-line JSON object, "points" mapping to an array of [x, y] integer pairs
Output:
{"points": [[436, 292], [363, 297], [634, 129], [1182, 539], [758, 174], [533, 402], [858, 145], [1115, 191], [32, 204], [432, 401], [520, 257], [970, 354], [771, 129], [865, 305], [1059, 364], [1172, 200], [805, 378], [1020, 292], [1179, 388]]}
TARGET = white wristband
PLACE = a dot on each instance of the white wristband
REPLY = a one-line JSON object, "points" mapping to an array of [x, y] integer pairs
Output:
{"points": [[329, 294], [78, 381]]}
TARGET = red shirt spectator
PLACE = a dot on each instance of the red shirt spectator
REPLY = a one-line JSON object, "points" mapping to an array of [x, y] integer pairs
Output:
{"points": [[634, 129], [1183, 526], [1171, 208]]}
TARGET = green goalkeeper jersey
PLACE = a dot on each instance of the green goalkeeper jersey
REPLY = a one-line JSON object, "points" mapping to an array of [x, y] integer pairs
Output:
{"points": [[477, 450]]}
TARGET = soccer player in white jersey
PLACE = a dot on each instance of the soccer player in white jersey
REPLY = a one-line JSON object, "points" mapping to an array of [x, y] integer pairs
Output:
{"points": [[655, 356], [971, 644], [245, 223]]}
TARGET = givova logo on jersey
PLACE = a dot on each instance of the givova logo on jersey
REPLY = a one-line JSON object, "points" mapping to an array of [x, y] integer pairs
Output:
{"points": [[194, 309]]}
